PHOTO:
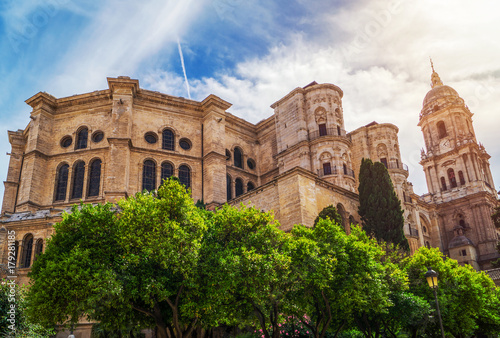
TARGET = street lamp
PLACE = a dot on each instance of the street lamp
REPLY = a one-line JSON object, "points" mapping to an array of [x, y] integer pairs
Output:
{"points": [[432, 279]]}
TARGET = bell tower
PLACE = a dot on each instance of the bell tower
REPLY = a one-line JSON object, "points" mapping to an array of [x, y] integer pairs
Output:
{"points": [[458, 177], [453, 159]]}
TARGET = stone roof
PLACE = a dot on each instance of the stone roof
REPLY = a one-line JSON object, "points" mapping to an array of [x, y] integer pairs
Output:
{"points": [[459, 241], [494, 274]]}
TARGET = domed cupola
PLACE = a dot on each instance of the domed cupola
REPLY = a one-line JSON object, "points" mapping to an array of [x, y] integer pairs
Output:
{"points": [[440, 96]]}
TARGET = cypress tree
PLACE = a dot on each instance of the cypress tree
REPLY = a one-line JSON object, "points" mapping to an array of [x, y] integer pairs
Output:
{"points": [[379, 206]]}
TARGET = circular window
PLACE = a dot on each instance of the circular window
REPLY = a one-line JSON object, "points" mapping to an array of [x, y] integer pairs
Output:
{"points": [[251, 164], [66, 141], [185, 144], [97, 136], [151, 138]]}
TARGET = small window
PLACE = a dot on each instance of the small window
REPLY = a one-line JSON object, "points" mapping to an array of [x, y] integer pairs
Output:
{"points": [[322, 129], [451, 177], [251, 164], [424, 229], [441, 129], [62, 182], [168, 142], [250, 186], [384, 161], [461, 177], [462, 223], [238, 158], [228, 155], [82, 137], [238, 187], [345, 168], [97, 136], [185, 144], [149, 175], [38, 248], [327, 169], [167, 170], [151, 138], [229, 188], [185, 175], [427, 244], [94, 178], [66, 141], [28, 249], [78, 177], [443, 184], [464, 252], [339, 132]]}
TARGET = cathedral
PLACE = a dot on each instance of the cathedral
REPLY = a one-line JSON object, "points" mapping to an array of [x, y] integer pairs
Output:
{"points": [[109, 144]]}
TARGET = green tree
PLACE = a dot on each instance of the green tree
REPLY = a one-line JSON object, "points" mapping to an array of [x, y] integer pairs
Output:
{"points": [[379, 206], [469, 300], [246, 269], [339, 277], [331, 213], [137, 269]]}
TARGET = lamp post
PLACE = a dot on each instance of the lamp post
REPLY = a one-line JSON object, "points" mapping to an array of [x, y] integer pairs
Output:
{"points": [[432, 279]]}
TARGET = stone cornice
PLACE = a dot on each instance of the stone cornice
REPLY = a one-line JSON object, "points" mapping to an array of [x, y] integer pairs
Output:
{"points": [[303, 91], [215, 101]]}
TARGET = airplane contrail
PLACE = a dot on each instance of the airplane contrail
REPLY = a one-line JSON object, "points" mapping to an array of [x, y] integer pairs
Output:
{"points": [[183, 67]]}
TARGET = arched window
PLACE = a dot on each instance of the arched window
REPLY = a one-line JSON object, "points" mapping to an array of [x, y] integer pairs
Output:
{"points": [[322, 129], [238, 187], [451, 177], [81, 138], [62, 182], [94, 178], [38, 248], [167, 170], [462, 223], [168, 140], [149, 175], [345, 168], [443, 184], [229, 187], [27, 250], [461, 177], [351, 220], [327, 168], [238, 158], [441, 129], [427, 244], [78, 176], [185, 175], [250, 186]]}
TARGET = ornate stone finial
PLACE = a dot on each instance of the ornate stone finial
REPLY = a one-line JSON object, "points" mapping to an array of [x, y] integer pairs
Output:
{"points": [[435, 79]]}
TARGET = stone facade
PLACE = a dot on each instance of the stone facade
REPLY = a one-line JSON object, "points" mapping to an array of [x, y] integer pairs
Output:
{"points": [[110, 144]]}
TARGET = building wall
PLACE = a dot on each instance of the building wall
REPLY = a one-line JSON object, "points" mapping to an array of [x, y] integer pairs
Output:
{"points": [[295, 163]]}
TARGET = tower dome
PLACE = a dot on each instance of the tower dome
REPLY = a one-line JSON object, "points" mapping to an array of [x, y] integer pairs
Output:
{"points": [[439, 96]]}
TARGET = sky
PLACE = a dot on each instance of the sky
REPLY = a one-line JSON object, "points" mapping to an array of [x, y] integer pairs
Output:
{"points": [[252, 53]]}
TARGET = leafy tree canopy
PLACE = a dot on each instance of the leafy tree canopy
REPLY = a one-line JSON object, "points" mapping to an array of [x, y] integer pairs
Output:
{"points": [[331, 213], [137, 268], [469, 300]]}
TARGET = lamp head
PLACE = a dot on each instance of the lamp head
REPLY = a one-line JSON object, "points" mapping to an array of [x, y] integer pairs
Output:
{"points": [[432, 278]]}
